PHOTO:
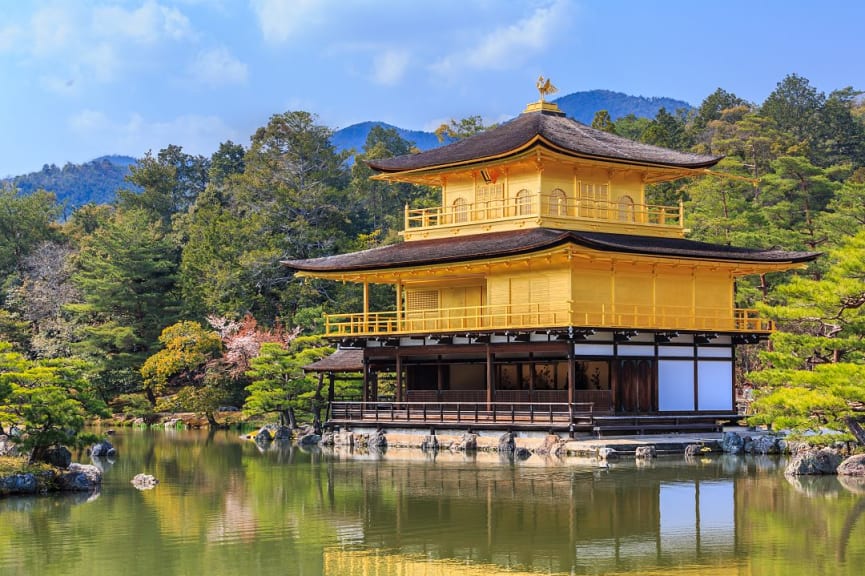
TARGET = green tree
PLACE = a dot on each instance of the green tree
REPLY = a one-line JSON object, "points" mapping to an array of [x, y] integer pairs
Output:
{"points": [[186, 349], [794, 106], [49, 400], [602, 121], [459, 129], [126, 273], [815, 374], [279, 384], [26, 221]]}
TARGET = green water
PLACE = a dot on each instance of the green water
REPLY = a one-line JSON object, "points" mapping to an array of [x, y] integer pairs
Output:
{"points": [[224, 507]]}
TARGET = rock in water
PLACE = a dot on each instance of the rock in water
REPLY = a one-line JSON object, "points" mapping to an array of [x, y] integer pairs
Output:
{"points": [[430, 443], [852, 466], [732, 443], [608, 454], [58, 456], [378, 439], [103, 449], [310, 439], [507, 444], [645, 452], [144, 482], [80, 478], [823, 461]]}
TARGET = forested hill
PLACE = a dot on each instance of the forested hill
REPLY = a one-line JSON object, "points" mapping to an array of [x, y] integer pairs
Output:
{"points": [[354, 136], [581, 106], [77, 184]]}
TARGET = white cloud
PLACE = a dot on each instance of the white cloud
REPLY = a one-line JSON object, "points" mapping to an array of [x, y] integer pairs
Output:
{"points": [[279, 20], [134, 136], [147, 24], [218, 66], [390, 66], [52, 29], [508, 46]]}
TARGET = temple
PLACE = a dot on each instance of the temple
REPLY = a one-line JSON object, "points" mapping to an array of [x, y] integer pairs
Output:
{"points": [[545, 293]]}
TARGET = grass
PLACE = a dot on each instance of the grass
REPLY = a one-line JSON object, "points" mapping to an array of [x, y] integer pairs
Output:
{"points": [[10, 465]]}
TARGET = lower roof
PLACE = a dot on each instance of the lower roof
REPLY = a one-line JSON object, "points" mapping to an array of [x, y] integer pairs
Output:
{"points": [[512, 243]]}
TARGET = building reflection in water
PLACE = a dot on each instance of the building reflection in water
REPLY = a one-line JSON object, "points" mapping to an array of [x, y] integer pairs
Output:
{"points": [[554, 520]]}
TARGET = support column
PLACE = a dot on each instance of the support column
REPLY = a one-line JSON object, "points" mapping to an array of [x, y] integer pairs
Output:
{"points": [[572, 376], [490, 376], [366, 307], [365, 391], [399, 325], [398, 391], [330, 394]]}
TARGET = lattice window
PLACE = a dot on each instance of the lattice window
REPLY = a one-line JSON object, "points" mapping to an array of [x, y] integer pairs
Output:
{"points": [[461, 210], [422, 300], [523, 203], [558, 203], [594, 200], [489, 199]]}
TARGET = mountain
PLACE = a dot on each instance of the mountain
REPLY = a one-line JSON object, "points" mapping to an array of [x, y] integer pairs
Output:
{"points": [[77, 184], [354, 136], [580, 106]]}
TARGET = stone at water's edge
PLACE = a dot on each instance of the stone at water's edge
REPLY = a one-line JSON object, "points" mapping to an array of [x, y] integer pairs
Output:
{"points": [[378, 439], [430, 443], [468, 442], [19, 484], [103, 449], [309, 439], [823, 461], [852, 466], [608, 454], [645, 453], [732, 443], [553, 445], [507, 444], [693, 450], [58, 456], [328, 439], [80, 478]]}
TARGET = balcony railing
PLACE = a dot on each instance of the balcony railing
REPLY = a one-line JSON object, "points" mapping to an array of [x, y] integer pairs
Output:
{"points": [[544, 205], [529, 316]]}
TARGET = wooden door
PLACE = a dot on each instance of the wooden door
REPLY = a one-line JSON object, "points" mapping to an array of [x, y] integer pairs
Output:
{"points": [[635, 386]]}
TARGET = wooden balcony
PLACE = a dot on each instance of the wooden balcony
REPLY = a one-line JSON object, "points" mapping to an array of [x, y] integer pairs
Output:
{"points": [[543, 316], [546, 210]]}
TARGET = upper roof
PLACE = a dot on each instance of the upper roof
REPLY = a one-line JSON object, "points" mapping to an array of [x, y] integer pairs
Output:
{"points": [[499, 244], [552, 130]]}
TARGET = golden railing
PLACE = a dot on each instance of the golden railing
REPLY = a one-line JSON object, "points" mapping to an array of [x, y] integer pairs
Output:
{"points": [[529, 316], [535, 205]]}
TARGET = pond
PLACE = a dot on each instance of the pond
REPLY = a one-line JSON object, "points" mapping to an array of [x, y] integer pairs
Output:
{"points": [[225, 507]]}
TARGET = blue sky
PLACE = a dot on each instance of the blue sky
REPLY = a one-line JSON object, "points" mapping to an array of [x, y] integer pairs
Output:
{"points": [[83, 78]]}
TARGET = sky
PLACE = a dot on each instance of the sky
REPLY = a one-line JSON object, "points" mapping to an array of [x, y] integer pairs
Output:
{"points": [[84, 78]]}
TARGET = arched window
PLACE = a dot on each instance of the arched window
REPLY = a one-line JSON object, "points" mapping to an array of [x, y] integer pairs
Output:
{"points": [[523, 203], [461, 211], [558, 206], [626, 209]]}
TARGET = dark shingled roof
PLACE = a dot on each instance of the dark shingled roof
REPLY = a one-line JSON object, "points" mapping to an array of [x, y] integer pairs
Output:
{"points": [[558, 130], [498, 244], [343, 360]]}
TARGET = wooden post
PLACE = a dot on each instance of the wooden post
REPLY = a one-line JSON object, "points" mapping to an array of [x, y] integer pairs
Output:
{"points": [[366, 307], [330, 394], [365, 391], [398, 391], [490, 373]]}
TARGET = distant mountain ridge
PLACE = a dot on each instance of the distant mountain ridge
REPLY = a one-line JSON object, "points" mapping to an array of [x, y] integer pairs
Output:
{"points": [[97, 181], [580, 106]]}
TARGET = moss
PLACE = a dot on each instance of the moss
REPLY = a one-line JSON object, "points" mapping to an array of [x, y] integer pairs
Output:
{"points": [[10, 465]]}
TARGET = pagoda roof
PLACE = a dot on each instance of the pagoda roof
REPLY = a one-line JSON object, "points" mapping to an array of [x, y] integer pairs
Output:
{"points": [[512, 243], [342, 360], [552, 130]]}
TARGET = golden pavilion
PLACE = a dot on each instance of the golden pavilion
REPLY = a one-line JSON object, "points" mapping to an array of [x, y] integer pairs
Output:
{"points": [[545, 293]]}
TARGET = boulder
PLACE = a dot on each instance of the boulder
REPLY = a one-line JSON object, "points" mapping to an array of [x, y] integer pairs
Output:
{"points": [[507, 444], [103, 449], [607, 454], [468, 442], [144, 482], [328, 439], [282, 433], [263, 437], [552, 445], [343, 439], [766, 445], [522, 453], [645, 453], [7, 447], [430, 443], [58, 456], [732, 443], [19, 484], [378, 439], [823, 461], [309, 439], [852, 466], [692, 450], [80, 478]]}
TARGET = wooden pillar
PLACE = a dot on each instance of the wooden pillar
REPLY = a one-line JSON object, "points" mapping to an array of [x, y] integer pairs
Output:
{"points": [[365, 391], [399, 324], [398, 391], [330, 393], [572, 375], [490, 376], [366, 306]]}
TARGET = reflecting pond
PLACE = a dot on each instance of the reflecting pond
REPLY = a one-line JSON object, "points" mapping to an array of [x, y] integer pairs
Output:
{"points": [[225, 507]]}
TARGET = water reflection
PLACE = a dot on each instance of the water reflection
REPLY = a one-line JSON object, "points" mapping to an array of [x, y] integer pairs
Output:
{"points": [[225, 507]]}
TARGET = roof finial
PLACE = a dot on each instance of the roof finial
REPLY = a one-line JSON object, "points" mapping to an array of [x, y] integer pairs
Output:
{"points": [[545, 87]]}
